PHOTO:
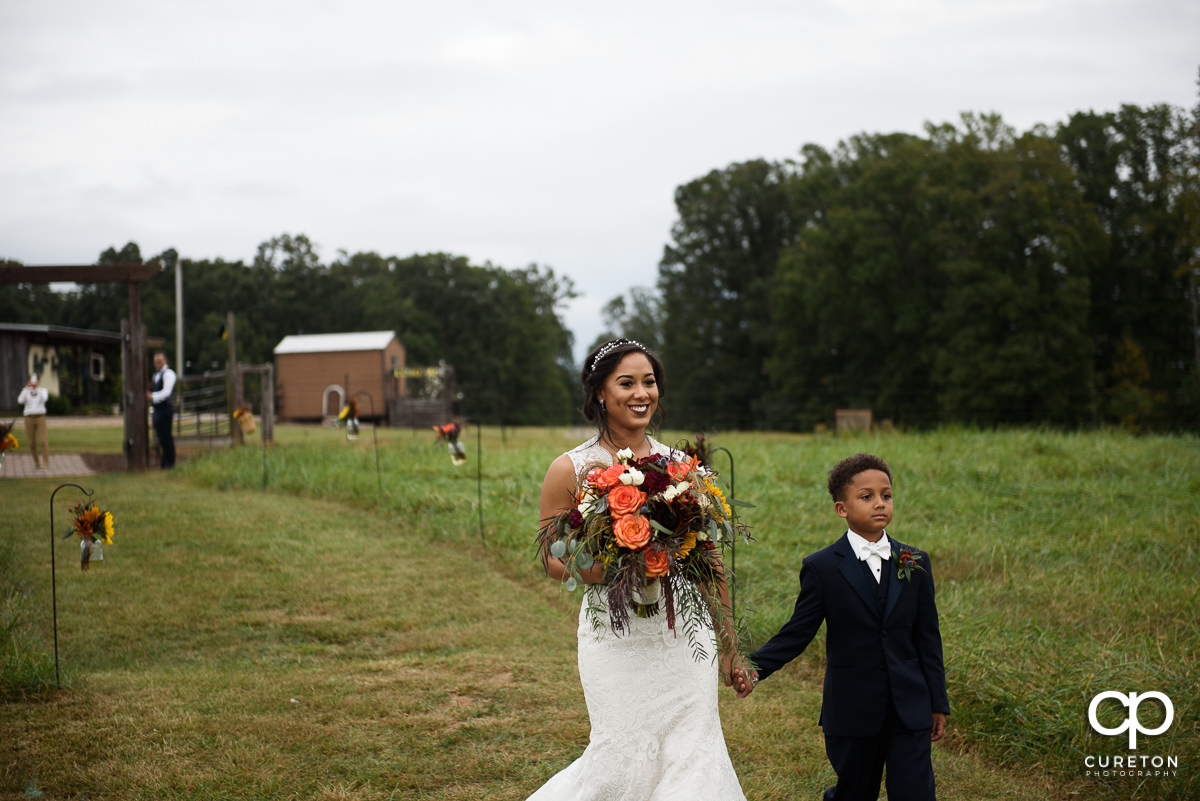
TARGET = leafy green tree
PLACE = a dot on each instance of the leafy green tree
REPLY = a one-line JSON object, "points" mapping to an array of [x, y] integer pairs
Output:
{"points": [[635, 315], [33, 304], [1137, 167], [716, 280], [1017, 251], [856, 289]]}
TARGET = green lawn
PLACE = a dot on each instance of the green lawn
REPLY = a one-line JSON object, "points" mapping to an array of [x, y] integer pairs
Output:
{"points": [[351, 632]]}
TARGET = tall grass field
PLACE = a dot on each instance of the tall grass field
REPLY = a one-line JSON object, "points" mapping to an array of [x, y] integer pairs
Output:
{"points": [[335, 619]]}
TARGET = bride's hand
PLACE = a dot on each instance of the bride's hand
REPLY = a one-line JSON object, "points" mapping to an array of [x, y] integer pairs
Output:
{"points": [[744, 680], [732, 663]]}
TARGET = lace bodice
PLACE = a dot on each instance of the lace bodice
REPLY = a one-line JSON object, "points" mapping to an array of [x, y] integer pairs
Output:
{"points": [[591, 453]]}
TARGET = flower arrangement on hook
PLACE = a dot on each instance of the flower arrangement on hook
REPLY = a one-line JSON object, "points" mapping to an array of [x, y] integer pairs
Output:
{"points": [[94, 527], [449, 432], [8, 440], [349, 416]]}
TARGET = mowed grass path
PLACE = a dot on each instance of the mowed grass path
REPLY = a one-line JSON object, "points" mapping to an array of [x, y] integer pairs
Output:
{"points": [[327, 638]]}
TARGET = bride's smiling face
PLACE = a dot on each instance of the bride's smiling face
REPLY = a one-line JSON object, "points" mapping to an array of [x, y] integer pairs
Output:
{"points": [[630, 392]]}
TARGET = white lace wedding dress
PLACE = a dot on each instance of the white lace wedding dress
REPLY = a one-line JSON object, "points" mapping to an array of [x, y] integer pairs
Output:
{"points": [[656, 731]]}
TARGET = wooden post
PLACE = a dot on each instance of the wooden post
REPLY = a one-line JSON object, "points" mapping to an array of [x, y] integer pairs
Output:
{"points": [[234, 376], [268, 404], [138, 456], [137, 426]]}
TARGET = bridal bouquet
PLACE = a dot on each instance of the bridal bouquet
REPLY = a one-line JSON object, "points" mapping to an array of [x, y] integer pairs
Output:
{"points": [[656, 525], [94, 526]]}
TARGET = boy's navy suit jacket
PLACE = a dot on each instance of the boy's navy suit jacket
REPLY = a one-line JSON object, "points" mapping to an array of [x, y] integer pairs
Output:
{"points": [[871, 661]]}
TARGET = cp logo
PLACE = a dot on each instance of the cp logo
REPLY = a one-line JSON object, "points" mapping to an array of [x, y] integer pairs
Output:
{"points": [[1131, 702]]}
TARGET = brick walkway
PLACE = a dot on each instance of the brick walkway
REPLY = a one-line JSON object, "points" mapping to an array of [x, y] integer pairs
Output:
{"points": [[20, 465]]}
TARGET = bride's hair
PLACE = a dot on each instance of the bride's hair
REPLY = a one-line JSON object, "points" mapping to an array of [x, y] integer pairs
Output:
{"points": [[599, 365]]}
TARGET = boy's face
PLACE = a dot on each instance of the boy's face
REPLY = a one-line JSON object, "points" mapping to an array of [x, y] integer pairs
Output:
{"points": [[867, 504]]}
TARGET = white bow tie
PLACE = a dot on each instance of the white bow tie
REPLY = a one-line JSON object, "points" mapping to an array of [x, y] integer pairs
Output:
{"points": [[881, 549]]}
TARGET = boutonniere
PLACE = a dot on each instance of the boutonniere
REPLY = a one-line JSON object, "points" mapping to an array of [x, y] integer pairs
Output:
{"points": [[908, 559]]}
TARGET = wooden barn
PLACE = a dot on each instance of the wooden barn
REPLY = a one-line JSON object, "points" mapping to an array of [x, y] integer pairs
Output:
{"points": [[316, 373]]}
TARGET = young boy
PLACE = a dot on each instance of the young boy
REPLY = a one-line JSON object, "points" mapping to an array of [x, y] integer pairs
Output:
{"points": [[885, 685]]}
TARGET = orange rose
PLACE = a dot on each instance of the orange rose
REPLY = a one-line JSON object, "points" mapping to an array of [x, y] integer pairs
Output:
{"points": [[606, 479], [631, 531], [625, 499], [657, 563], [678, 470]]}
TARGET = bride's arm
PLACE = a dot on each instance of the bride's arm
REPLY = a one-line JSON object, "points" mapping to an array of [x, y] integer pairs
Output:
{"points": [[724, 624], [558, 493]]}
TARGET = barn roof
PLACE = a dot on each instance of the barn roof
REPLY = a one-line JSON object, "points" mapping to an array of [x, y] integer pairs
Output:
{"points": [[335, 343]]}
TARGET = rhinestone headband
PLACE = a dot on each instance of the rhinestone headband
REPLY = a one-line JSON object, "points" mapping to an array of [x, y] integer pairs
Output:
{"points": [[611, 346]]}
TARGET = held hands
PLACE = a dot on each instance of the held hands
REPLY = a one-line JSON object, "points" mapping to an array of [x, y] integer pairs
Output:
{"points": [[738, 674], [744, 681]]}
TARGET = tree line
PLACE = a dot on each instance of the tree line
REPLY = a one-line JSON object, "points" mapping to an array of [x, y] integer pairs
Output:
{"points": [[969, 275], [499, 329]]}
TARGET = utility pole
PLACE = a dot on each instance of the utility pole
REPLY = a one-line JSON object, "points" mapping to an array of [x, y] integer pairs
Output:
{"points": [[180, 365]]}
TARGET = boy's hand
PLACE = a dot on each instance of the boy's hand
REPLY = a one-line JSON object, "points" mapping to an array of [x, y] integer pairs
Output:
{"points": [[744, 681], [939, 727]]}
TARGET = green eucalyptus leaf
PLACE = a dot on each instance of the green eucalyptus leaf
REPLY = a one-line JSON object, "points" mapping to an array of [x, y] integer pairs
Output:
{"points": [[659, 526], [571, 584], [558, 549], [584, 560]]}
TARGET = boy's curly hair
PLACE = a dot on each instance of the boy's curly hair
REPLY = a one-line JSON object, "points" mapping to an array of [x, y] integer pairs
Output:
{"points": [[844, 472]]}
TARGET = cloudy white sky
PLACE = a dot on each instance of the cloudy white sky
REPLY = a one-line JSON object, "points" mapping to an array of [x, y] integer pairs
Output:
{"points": [[523, 132]]}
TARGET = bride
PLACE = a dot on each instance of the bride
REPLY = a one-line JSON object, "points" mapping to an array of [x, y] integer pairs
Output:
{"points": [[656, 732]]}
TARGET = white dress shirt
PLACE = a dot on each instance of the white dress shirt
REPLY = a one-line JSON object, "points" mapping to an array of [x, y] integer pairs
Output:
{"points": [[862, 549], [168, 385]]}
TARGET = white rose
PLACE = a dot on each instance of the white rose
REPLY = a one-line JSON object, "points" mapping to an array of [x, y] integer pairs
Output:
{"points": [[624, 455], [633, 477]]}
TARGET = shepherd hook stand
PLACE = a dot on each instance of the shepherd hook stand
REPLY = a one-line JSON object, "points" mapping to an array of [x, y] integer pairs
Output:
{"points": [[53, 581]]}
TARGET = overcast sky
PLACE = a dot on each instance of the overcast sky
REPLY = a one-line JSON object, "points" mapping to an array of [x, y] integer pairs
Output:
{"points": [[517, 133]]}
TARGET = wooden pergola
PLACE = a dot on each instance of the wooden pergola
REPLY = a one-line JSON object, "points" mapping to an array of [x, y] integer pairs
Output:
{"points": [[134, 350]]}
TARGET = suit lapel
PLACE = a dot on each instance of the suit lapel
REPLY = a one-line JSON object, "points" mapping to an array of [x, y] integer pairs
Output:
{"points": [[895, 585], [854, 573]]}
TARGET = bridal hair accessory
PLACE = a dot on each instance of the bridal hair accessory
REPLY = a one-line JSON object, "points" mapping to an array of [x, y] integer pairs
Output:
{"points": [[613, 345]]}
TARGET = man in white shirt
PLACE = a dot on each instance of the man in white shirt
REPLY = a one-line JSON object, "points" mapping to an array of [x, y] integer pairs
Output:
{"points": [[34, 397], [160, 397]]}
